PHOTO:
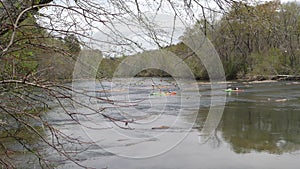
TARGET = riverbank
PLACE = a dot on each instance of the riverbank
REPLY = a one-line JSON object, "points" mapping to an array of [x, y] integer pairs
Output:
{"points": [[271, 77]]}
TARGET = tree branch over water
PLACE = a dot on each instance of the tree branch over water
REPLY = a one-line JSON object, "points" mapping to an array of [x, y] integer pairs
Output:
{"points": [[40, 41]]}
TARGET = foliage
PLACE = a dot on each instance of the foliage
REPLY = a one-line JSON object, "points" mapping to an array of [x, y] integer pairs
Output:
{"points": [[251, 39], [108, 66], [72, 43], [259, 39]]}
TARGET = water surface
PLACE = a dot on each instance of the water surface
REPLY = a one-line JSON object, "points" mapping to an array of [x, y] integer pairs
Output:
{"points": [[259, 129]]}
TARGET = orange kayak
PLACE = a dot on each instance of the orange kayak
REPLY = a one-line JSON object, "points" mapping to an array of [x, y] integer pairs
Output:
{"points": [[163, 94]]}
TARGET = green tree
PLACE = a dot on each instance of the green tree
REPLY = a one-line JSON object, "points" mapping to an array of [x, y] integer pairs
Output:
{"points": [[247, 36], [73, 44]]}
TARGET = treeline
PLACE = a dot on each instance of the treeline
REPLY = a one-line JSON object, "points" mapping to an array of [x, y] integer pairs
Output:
{"points": [[262, 39], [253, 41], [37, 52]]}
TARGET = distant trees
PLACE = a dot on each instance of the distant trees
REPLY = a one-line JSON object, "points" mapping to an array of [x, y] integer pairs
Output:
{"points": [[259, 39], [290, 32], [72, 43], [251, 39]]}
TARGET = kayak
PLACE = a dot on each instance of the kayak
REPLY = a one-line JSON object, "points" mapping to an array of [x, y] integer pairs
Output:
{"points": [[157, 94], [234, 90], [170, 93], [163, 94]]}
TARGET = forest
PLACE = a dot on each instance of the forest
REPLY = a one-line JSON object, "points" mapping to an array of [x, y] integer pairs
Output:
{"points": [[254, 42], [259, 41]]}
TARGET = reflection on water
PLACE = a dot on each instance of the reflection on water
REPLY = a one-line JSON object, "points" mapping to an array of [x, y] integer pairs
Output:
{"points": [[266, 118], [261, 127]]}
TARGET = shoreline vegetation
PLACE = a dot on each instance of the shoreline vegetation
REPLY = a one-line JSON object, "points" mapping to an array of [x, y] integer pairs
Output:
{"points": [[248, 52], [252, 79]]}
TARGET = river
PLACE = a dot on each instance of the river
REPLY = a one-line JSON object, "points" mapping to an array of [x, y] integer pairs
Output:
{"points": [[260, 127]]}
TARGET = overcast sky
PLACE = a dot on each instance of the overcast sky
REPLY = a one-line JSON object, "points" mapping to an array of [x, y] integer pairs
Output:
{"points": [[157, 28], [162, 23]]}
